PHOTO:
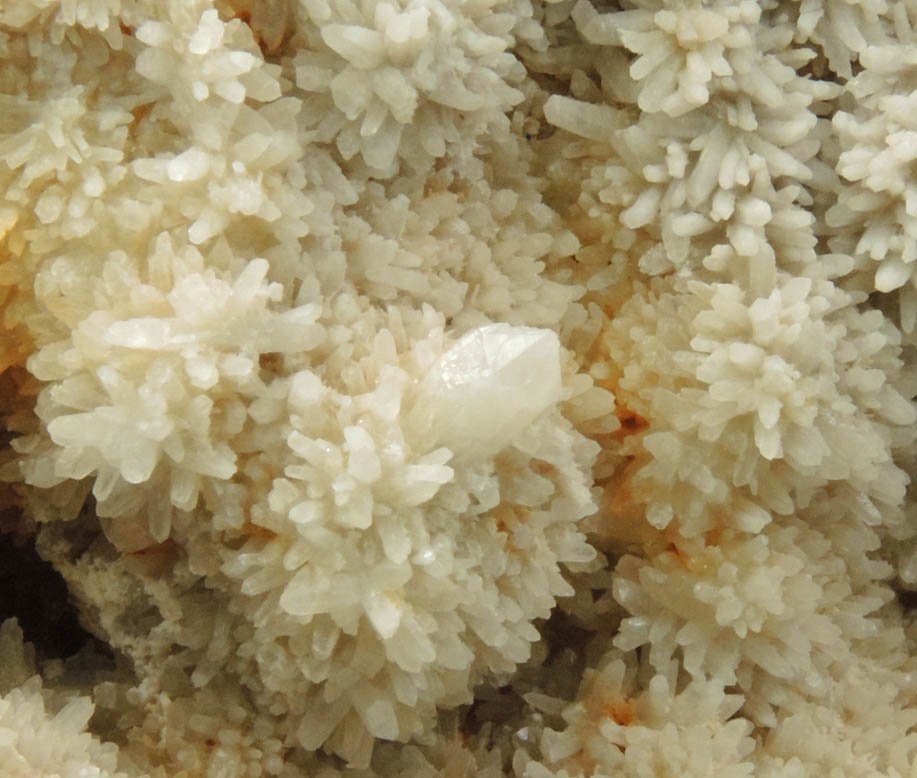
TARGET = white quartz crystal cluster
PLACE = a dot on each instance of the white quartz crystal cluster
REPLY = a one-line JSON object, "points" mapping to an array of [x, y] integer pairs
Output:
{"points": [[408, 81], [452, 388], [44, 734]]}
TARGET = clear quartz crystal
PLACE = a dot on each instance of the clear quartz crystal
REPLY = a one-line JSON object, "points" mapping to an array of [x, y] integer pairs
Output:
{"points": [[486, 389]]}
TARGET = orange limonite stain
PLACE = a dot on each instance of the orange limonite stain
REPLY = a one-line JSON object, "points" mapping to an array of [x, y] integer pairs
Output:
{"points": [[714, 536], [271, 360], [18, 390], [623, 510], [620, 712], [269, 21], [257, 531], [15, 346], [543, 468], [622, 514], [154, 560], [507, 515], [678, 554], [696, 555], [606, 373], [139, 112], [619, 491], [15, 342], [632, 423]]}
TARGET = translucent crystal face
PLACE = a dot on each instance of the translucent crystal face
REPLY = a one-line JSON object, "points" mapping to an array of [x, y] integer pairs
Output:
{"points": [[487, 389]]}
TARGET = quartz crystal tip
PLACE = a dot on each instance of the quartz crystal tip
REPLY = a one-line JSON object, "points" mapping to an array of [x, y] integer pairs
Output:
{"points": [[486, 389]]}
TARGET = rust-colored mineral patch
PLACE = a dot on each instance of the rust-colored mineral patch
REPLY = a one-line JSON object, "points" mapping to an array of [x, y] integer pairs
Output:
{"points": [[268, 20], [15, 346], [154, 560], [620, 712], [139, 112], [257, 531], [632, 423]]}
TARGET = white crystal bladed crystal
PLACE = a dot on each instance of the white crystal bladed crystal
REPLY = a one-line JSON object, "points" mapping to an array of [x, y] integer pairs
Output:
{"points": [[486, 389]]}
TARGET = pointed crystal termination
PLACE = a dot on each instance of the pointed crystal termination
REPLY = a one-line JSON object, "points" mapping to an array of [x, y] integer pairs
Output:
{"points": [[486, 389]]}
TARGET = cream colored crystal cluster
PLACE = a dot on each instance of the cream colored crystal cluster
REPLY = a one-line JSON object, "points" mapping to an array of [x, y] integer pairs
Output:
{"points": [[462, 387]]}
